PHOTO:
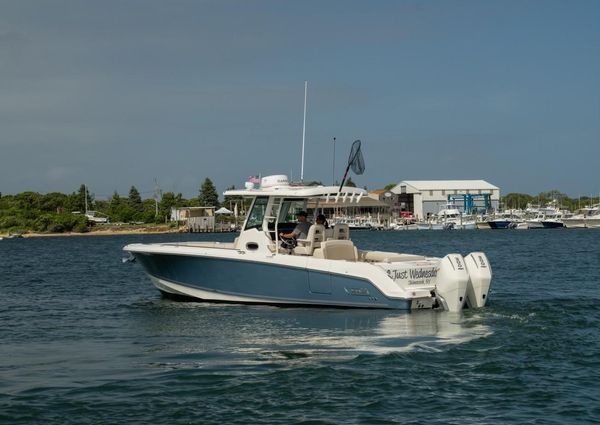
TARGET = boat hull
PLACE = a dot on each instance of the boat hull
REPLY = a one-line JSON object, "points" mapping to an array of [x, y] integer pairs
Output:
{"points": [[373, 279], [502, 224], [435, 226], [240, 281], [581, 223], [467, 225], [532, 224], [552, 224]]}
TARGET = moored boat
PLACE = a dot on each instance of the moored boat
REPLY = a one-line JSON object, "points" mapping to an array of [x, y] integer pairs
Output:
{"points": [[548, 217], [587, 217], [448, 218], [502, 223]]}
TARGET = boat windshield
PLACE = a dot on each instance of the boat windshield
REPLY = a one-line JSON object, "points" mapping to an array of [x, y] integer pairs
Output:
{"points": [[289, 209], [257, 213]]}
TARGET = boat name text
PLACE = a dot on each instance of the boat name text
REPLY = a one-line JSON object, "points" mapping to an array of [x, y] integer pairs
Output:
{"points": [[413, 274]]}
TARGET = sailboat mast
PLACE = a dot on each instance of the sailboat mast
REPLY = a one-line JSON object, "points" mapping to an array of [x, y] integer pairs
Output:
{"points": [[303, 131]]}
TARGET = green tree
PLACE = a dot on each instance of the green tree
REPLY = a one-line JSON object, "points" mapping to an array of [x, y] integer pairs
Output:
{"points": [[55, 202], [208, 194], [28, 201], [148, 214], [135, 200], [390, 186], [116, 208], [102, 206], [552, 195], [516, 200], [169, 200]]}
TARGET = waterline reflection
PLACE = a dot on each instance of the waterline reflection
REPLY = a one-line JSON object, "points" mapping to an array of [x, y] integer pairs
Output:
{"points": [[207, 335]]}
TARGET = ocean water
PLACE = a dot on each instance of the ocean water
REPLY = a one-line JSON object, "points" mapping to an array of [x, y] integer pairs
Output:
{"points": [[86, 339]]}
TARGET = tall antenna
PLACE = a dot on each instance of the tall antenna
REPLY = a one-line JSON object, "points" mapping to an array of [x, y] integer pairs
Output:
{"points": [[303, 131], [333, 168]]}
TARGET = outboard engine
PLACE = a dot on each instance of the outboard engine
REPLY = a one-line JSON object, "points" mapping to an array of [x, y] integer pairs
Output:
{"points": [[452, 280], [480, 276]]}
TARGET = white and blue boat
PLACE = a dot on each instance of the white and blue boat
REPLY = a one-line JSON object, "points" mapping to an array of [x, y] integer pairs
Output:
{"points": [[325, 269]]}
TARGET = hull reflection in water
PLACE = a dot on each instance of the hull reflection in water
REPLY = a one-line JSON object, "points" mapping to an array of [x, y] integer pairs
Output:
{"points": [[216, 335]]}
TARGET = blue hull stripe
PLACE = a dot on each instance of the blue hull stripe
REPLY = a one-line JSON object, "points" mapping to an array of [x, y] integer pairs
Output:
{"points": [[267, 281]]}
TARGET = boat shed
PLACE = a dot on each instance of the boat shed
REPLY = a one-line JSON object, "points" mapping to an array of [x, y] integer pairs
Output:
{"points": [[196, 219], [426, 197]]}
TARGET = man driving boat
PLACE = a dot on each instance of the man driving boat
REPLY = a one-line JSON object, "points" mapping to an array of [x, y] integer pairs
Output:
{"points": [[301, 229]]}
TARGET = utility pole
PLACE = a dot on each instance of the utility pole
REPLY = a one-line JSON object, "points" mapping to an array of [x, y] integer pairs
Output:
{"points": [[85, 197], [157, 196]]}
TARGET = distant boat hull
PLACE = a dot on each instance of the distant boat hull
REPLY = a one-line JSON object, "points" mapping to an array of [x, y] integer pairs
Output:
{"points": [[502, 224], [545, 224], [552, 224], [532, 224], [435, 226], [582, 223]]}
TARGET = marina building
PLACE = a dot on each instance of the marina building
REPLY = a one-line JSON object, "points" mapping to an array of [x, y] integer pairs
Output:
{"points": [[423, 198]]}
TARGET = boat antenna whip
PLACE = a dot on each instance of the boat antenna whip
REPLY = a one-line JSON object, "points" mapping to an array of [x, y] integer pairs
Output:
{"points": [[355, 161], [303, 131]]}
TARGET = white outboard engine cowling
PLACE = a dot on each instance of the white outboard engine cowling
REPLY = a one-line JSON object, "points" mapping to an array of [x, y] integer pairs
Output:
{"points": [[480, 276], [452, 281]]}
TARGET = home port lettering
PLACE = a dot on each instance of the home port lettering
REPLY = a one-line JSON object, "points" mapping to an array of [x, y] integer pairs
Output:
{"points": [[414, 276]]}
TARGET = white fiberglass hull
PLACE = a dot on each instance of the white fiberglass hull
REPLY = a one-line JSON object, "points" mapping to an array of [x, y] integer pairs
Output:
{"points": [[582, 223], [392, 281]]}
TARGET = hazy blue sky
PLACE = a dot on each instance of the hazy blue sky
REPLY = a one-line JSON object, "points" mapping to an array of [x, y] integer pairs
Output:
{"points": [[118, 93]]}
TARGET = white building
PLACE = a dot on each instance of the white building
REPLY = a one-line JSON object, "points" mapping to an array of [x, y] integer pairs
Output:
{"points": [[426, 197]]}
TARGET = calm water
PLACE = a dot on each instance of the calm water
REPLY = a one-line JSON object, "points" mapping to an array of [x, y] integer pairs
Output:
{"points": [[87, 339]]}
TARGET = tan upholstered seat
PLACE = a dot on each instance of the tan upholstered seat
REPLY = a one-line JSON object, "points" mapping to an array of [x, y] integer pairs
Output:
{"points": [[337, 250], [341, 232], [316, 235]]}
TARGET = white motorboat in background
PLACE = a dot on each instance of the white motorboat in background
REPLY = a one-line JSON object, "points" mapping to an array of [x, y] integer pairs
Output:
{"points": [[357, 223], [326, 269], [508, 219], [548, 217], [448, 218], [587, 217]]}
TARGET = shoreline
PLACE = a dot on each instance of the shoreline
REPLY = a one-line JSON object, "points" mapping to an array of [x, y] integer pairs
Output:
{"points": [[102, 232], [108, 232]]}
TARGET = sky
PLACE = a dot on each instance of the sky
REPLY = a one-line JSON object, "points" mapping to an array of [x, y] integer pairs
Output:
{"points": [[116, 93]]}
